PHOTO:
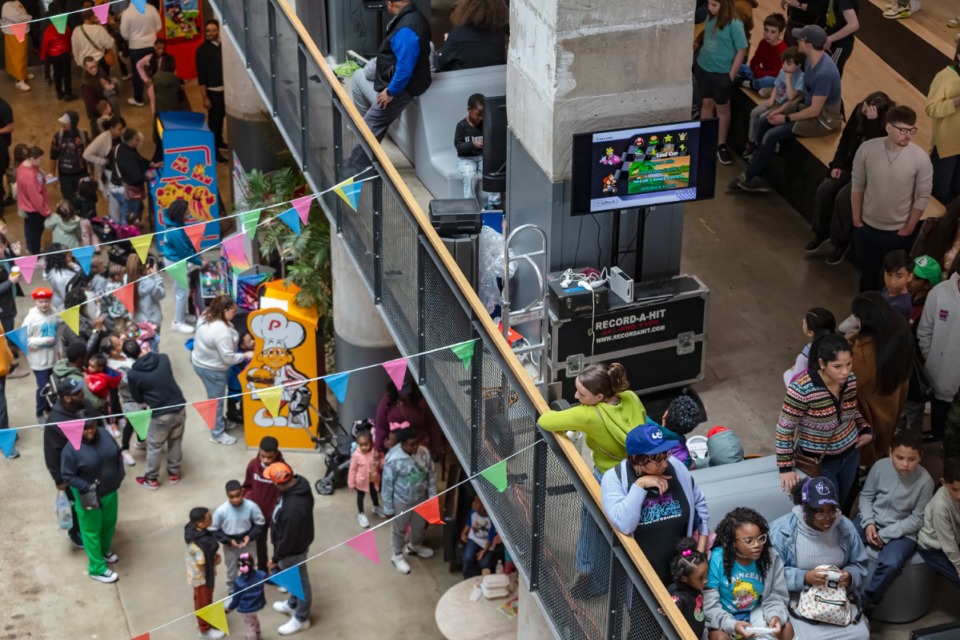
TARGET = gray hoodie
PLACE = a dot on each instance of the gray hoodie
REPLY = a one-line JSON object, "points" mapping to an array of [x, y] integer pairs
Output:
{"points": [[894, 504], [938, 334], [773, 602], [941, 526], [151, 293]]}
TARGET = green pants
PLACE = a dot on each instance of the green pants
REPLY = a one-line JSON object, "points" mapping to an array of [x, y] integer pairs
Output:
{"points": [[97, 527]]}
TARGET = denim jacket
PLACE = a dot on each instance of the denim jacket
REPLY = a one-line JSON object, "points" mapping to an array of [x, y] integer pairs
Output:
{"points": [[407, 479]]}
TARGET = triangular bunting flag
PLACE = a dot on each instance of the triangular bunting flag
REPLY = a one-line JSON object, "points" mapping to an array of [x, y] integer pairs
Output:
{"points": [[289, 579], [349, 192], [208, 411], [83, 255], [430, 510], [291, 219], [235, 249], [102, 11], [7, 439], [19, 30], [464, 351], [214, 613], [366, 545], [302, 205], [178, 271], [59, 23], [27, 264], [19, 338], [271, 397], [140, 421], [249, 221], [396, 369], [141, 244], [196, 232], [73, 429], [141, 6], [145, 636], [71, 317], [337, 383], [125, 295], [497, 475]]}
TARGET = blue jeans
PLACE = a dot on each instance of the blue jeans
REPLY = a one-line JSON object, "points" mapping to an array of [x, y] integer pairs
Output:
{"points": [[471, 168], [842, 471], [939, 562], [43, 377], [746, 73], [592, 555], [180, 295], [215, 383], [472, 566], [769, 137], [893, 557]]}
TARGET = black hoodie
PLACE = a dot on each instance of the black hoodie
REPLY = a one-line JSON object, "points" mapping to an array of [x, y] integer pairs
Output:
{"points": [[208, 544], [292, 528], [96, 463], [53, 439], [151, 382]]}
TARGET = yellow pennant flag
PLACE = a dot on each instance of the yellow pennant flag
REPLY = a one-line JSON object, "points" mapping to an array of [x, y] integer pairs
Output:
{"points": [[72, 317], [215, 615], [271, 399], [142, 245]]}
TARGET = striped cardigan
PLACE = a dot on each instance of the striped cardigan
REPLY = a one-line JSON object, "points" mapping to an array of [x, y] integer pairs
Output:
{"points": [[810, 409]]}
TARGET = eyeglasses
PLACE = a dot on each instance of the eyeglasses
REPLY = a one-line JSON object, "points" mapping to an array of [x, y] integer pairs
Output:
{"points": [[826, 515], [754, 542], [657, 458], [906, 131]]}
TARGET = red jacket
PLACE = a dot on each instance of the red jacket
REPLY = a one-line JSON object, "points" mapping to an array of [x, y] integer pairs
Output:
{"points": [[102, 382], [261, 490], [54, 43], [766, 59]]}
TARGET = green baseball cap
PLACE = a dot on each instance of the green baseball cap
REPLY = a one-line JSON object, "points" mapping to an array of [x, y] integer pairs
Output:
{"points": [[926, 268]]}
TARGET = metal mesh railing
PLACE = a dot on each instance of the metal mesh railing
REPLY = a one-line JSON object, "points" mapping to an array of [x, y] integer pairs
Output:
{"points": [[546, 512]]}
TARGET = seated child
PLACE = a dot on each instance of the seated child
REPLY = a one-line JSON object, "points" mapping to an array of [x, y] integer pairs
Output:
{"points": [[100, 380], [940, 535], [681, 417], [897, 274], [689, 572], [468, 139], [787, 87], [765, 64], [478, 535]]}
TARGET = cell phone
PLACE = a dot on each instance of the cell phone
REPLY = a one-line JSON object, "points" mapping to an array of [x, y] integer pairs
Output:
{"points": [[833, 579]]}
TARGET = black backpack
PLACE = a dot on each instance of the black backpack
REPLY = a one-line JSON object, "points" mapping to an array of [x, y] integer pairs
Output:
{"points": [[70, 158]]}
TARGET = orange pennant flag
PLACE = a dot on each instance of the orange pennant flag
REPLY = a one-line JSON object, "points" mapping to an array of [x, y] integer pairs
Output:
{"points": [[125, 295], [208, 411], [145, 636], [430, 510], [196, 233]]}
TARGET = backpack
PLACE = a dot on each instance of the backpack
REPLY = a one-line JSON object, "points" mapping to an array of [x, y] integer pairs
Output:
{"points": [[70, 159], [828, 604]]}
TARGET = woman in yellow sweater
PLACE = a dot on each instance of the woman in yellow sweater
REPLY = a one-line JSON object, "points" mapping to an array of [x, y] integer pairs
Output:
{"points": [[607, 412], [943, 107]]}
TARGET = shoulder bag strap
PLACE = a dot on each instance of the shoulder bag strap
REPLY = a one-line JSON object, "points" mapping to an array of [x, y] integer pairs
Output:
{"points": [[90, 40]]}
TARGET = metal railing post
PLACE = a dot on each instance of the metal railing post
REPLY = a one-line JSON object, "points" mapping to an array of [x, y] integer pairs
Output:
{"points": [[538, 517], [272, 31], [616, 598], [476, 404], [246, 33], [421, 310], [304, 107], [377, 241], [338, 162]]}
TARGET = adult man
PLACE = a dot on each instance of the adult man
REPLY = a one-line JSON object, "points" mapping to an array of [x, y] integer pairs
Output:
{"points": [[66, 154], [90, 39], [890, 185], [210, 79], [938, 336], [6, 140], [69, 406], [94, 87], [140, 32], [817, 115], [402, 73], [151, 382], [292, 535]]}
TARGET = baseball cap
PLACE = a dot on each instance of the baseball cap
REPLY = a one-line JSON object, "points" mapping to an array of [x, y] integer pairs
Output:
{"points": [[69, 387], [278, 472], [811, 33], [64, 119], [819, 492], [42, 293], [926, 268], [647, 440]]}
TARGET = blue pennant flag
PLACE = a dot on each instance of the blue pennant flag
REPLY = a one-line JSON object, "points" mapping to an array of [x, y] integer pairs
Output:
{"points": [[352, 192], [83, 255], [141, 5], [291, 218], [7, 439], [18, 338], [289, 579], [337, 383]]}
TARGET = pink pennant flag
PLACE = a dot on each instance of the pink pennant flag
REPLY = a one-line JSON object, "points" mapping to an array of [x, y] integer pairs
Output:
{"points": [[19, 29], [125, 295], [366, 545], [302, 205], [27, 264], [236, 250], [396, 369], [102, 11], [73, 429]]}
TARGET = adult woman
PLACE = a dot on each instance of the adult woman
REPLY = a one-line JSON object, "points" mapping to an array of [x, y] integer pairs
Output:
{"points": [[59, 272], [940, 239], [882, 358], [820, 423], [403, 407], [131, 171], [214, 352], [168, 88], [94, 473], [653, 497], [943, 107], [147, 294], [607, 412], [177, 248], [815, 534], [478, 37], [15, 48], [32, 198]]}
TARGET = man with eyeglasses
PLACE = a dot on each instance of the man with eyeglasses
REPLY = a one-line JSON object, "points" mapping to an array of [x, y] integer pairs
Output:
{"points": [[210, 78], [891, 182]]}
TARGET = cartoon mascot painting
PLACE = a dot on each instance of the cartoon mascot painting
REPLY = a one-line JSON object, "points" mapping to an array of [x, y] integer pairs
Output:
{"points": [[275, 367]]}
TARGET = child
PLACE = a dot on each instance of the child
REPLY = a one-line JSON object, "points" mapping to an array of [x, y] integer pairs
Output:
{"points": [[788, 86], [765, 64], [926, 275], [892, 503], [110, 304], [746, 585], [41, 324], [249, 597], [234, 388], [724, 50], [468, 140], [897, 274], [65, 225], [131, 229], [478, 535], [202, 561], [100, 381], [681, 417], [237, 523], [941, 526], [409, 478], [364, 476], [689, 571], [815, 321], [262, 491]]}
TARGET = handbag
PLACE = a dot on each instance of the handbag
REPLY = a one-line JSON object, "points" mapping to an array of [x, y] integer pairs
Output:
{"points": [[133, 192], [808, 465], [827, 604]]}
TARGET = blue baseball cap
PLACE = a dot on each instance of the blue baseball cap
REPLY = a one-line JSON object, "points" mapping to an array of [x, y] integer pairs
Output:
{"points": [[819, 492], [647, 440]]}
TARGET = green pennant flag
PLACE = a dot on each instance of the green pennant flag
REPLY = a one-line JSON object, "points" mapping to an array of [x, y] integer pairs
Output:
{"points": [[464, 351], [178, 271], [249, 221], [59, 22], [497, 475], [140, 421]]}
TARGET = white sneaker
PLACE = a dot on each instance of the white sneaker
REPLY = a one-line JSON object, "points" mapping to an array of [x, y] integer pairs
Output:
{"points": [[30, 76], [128, 458], [23, 86], [378, 511], [134, 102], [106, 577], [182, 327], [400, 563], [362, 519], [110, 557], [223, 438], [292, 626], [281, 606], [212, 633], [422, 551]]}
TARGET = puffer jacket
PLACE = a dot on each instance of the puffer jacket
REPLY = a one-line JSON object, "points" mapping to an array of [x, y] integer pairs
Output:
{"points": [[365, 470]]}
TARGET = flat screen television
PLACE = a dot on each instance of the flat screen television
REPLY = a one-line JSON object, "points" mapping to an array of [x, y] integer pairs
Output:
{"points": [[643, 166]]}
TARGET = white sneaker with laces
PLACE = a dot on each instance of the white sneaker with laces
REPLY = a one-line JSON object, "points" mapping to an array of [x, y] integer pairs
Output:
{"points": [[293, 626], [110, 557], [134, 102], [281, 606], [400, 563], [362, 519], [421, 550], [106, 577], [212, 633], [182, 327], [23, 86], [223, 438], [128, 458]]}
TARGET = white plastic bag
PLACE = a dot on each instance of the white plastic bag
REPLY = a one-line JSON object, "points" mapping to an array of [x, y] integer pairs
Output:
{"points": [[490, 263], [63, 510]]}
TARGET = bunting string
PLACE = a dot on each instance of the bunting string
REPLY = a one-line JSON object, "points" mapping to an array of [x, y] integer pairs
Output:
{"points": [[63, 14]]}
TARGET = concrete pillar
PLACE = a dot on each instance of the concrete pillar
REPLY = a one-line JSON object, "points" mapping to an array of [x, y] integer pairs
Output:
{"points": [[531, 623]]}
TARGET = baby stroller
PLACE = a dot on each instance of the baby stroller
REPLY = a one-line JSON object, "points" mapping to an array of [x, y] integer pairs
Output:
{"points": [[331, 438]]}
